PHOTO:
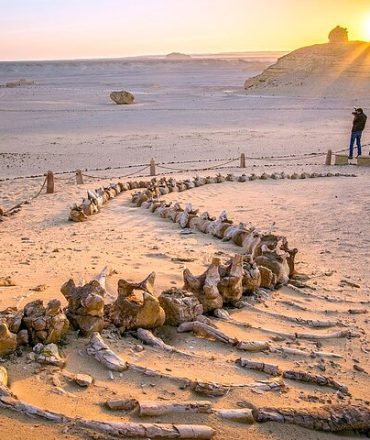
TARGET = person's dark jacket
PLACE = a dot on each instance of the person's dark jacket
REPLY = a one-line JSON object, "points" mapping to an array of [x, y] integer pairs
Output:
{"points": [[359, 122]]}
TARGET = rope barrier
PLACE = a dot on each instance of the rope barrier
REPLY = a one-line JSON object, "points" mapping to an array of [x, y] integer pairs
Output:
{"points": [[96, 177], [223, 164], [115, 177], [294, 156], [225, 167], [62, 178], [173, 170], [167, 165], [199, 169], [42, 187], [25, 201], [196, 161]]}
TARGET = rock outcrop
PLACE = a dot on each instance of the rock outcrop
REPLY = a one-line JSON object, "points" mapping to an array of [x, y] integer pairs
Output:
{"points": [[122, 97], [322, 70], [338, 35]]}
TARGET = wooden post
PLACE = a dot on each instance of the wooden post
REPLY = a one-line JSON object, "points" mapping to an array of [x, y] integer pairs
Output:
{"points": [[50, 182], [152, 167], [242, 160], [328, 157], [79, 178]]}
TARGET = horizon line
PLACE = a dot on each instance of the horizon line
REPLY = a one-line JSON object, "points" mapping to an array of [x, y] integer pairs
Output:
{"points": [[98, 58], [156, 55]]}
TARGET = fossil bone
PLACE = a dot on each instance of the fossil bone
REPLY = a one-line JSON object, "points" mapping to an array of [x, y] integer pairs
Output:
{"points": [[85, 309], [136, 306]]}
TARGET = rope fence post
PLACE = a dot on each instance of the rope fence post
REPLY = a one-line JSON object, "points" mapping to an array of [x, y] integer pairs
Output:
{"points": [[50, 182], [152, 167], [328, 157], [242, 160], [79, 178]]}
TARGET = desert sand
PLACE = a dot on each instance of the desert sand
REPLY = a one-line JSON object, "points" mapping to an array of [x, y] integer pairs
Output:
{"points": [[189, 110]]}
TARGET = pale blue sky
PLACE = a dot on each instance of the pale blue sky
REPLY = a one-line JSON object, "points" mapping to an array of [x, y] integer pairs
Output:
{"points": [[40, 29]]}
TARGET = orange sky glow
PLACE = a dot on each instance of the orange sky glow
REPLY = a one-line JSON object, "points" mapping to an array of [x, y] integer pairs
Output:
{"points": [[59, 29]]}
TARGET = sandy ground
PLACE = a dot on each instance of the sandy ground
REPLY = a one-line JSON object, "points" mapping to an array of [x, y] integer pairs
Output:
{"points": [[66, 121], [326, 219], [42, 247]]}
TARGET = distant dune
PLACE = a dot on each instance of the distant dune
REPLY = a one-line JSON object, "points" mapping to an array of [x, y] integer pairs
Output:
{"points": [[177, 56], [332, 70]]}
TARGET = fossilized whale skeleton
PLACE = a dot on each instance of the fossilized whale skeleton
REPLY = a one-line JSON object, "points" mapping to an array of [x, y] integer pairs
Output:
{"points": [[97, 198]]}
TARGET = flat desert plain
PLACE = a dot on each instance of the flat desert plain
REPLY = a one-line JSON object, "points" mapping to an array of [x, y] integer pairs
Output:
{"points": [[193, 110]]}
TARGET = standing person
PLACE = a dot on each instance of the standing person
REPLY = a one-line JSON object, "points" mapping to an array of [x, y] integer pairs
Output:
{"points": [[359, 122]]}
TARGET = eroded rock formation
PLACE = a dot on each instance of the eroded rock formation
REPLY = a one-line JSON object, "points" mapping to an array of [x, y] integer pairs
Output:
{"points": [[340, 68], [338, 35]]}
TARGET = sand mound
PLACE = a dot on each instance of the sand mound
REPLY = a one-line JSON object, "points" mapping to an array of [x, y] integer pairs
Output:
{"points": [[332, 69]]}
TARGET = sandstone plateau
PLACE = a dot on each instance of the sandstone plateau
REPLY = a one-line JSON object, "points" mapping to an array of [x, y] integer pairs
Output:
{"points": [[328, 70]]}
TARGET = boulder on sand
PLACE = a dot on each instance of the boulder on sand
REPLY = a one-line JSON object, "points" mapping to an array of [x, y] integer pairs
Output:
{"points": [[122, 97]]}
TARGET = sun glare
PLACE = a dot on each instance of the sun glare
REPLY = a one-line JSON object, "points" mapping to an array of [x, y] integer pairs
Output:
{"points": [[367, 29]]}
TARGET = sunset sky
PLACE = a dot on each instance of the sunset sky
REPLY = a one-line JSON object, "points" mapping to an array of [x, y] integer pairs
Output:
{"points": [[54, 29]]}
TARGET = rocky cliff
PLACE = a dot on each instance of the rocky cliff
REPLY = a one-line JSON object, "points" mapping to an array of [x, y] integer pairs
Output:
{"points": [[332, 70]]}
